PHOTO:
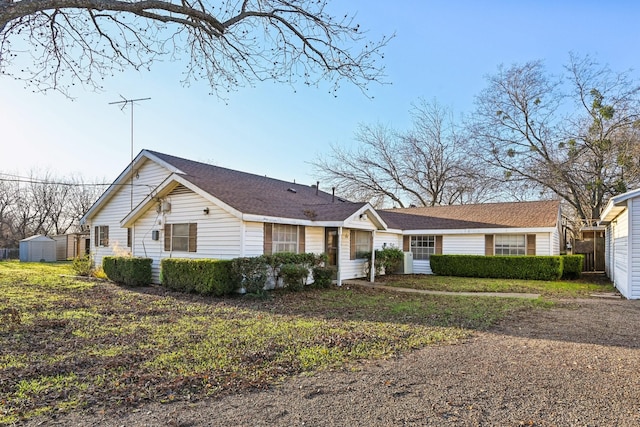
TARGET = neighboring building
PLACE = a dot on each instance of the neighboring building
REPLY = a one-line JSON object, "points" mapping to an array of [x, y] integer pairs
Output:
{"points": [[163, 206], [72, 245], [511, 228], [621, 217], [37, 248]]}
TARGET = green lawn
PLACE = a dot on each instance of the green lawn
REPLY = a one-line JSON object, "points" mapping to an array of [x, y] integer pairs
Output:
{"points": [[68, 344], [559, 289]]}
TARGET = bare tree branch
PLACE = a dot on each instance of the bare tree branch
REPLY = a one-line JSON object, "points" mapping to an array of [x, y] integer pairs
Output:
{"points": [[428, 165], [54, 44], [577, 140]]}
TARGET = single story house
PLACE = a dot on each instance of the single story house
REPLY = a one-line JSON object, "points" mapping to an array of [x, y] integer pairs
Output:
{"points": [[509, 228], [621, 217], [164, 206]]}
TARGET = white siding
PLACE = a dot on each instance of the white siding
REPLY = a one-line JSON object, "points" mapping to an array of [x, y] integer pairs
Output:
{"points": [[360, 224], [545, 244], [349, 269], [554, 242], [634, 248], [254, 239], [620, 246], [314, 240], [608, 252], [144, 246], [468, 244], [354, 268], [150, 174], [389, 239], [219, 233]]}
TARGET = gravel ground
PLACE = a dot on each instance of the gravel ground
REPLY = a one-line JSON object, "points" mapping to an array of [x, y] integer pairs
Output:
{"points": [[572, 366]]}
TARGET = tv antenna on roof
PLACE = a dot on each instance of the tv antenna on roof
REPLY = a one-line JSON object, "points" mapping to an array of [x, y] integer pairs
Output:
{"points": [[124, 103]]}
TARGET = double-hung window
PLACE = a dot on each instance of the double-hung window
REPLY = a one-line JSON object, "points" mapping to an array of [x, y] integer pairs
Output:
{"points": [[101, 235], [510, 244], [360, 244], [285, 238], [181, 237]]}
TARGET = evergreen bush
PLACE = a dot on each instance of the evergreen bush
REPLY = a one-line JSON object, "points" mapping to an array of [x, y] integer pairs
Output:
{"points": [[572, 266], [129, 271], [203, 276], [501, 267]]}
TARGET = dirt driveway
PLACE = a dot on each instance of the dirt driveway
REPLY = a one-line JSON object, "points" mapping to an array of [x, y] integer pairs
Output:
{"points": [[573, 366]]}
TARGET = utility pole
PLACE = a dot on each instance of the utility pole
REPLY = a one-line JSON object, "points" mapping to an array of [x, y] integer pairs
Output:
{"points": [[124, 103]]}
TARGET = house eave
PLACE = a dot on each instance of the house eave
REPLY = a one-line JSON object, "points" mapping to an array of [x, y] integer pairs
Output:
{"points": [[616, 205], [171, 182], [612, 210], [296, 221], [124, 176], [502, 230], [371, 214]]}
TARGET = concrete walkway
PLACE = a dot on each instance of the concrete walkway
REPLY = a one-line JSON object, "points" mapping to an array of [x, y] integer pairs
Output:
{"points": [[427, 292]]}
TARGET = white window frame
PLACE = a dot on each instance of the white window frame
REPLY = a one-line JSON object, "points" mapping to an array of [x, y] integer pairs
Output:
{"points": [[362, 244], [103, 230], [285, 238], [171, 237], [510, 244], [422, 246], [181, 239]]}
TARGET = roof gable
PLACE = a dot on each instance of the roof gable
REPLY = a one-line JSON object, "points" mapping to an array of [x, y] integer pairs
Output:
{"points": [[256, 195]]}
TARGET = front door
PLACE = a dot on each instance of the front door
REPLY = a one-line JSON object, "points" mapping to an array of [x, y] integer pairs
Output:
{"points": [[331, 247]]}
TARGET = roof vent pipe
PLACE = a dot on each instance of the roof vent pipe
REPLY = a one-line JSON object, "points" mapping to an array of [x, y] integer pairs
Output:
{"points": [[317, 187], [333, 194]]}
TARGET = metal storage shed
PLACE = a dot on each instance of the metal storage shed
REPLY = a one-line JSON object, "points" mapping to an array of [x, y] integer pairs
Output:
{"points": [[38, 248]]}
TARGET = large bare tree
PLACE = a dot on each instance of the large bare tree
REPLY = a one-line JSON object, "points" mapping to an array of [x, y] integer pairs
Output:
{"points": [[574, 135], [53, 44], [427, 165]]}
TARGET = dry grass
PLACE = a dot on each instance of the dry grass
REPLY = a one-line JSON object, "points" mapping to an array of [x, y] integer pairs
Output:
{"points": [[589, 283], [69, 344]]}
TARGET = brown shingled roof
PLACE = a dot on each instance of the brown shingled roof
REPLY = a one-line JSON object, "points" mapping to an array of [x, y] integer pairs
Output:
{"points": [[260, 195], [485, 215]]}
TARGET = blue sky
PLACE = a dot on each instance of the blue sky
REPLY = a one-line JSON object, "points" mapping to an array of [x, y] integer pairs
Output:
{"points": [[442, 50]]}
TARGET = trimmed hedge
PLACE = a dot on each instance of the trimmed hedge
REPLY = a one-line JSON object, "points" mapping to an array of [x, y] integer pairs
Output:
{"points": [[572, 266], [203, 276], [127, 271], [500, 267], [223, 277]]}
